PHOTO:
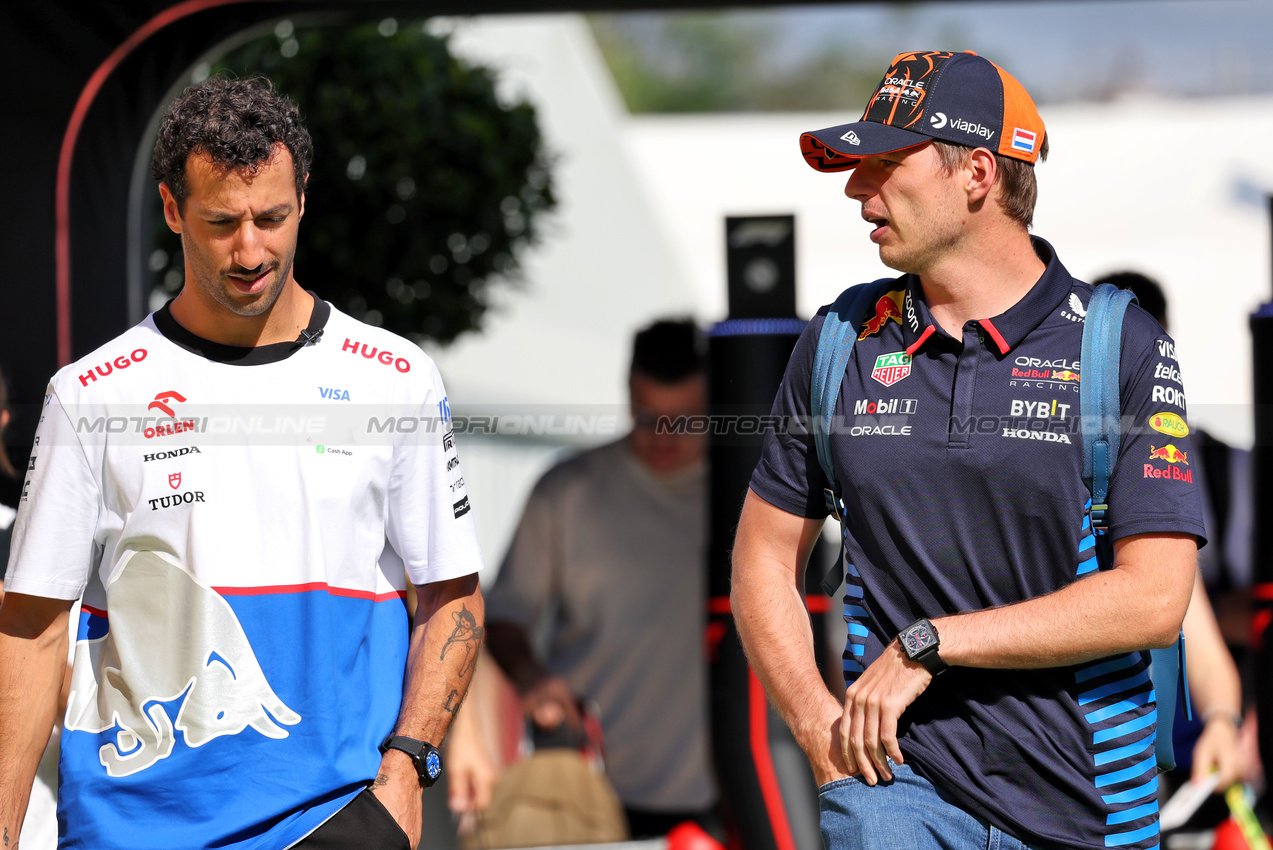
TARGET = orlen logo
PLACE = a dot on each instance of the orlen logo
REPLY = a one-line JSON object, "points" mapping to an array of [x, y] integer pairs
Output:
{"points": [[167, 395], [109, 366], [386, 357], [167, 429]]}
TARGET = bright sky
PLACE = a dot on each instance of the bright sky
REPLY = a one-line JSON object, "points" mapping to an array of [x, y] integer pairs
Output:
{"points": [[1064, 50]]}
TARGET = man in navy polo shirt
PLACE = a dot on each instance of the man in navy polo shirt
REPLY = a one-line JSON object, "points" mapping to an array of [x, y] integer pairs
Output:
{"points": [[1021, 712]]}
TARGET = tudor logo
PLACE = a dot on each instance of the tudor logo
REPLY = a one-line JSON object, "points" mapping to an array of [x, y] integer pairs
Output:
{"points": [[851, 137], [174, 480], [167, 395], [938, 120]]}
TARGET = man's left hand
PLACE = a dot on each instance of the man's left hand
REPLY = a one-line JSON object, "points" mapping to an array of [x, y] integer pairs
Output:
{"points": [[397, 786], [872, 707]]}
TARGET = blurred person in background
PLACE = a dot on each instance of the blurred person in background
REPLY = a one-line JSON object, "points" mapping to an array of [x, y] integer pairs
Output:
{"points": [[601, 595], [39, 826], [7, 513], [1221, 736]]}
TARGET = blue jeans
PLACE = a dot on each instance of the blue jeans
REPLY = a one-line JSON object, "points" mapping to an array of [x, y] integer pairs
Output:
{"points": [[905, 814]]}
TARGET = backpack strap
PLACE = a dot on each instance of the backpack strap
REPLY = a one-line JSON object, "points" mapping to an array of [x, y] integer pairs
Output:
{"points": [[1101, 411], [835, 345]]}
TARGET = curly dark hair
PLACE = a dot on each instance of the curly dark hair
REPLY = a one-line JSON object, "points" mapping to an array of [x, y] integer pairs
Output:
{"points": [[234, 122]]}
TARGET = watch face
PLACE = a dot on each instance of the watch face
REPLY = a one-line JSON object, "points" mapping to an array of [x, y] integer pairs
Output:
{"points": [[917, 639], [433, 764]]}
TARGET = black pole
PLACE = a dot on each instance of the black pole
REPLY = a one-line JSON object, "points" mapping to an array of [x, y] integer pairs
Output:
{"points": [[765, 780]]}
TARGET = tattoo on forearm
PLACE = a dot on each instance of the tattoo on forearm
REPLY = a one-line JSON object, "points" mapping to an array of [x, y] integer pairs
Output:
{"points": [[452, 703], [468, 636], [382, 779]]}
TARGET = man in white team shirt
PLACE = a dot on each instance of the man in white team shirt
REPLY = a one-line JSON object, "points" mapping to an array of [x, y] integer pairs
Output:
{"points": [[242, 670]]}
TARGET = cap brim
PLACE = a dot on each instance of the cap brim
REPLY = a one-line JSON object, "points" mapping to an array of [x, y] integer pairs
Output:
{"points": [[841, 148]]}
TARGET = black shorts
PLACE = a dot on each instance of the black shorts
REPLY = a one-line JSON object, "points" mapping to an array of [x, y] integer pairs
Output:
{"points": [[363, 823]]}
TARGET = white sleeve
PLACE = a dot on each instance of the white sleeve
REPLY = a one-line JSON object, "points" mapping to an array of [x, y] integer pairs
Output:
{"points": [[430, 518], [54, 535]]}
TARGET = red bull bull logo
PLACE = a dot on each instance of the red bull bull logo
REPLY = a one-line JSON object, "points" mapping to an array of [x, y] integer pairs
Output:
{"points": [[888, 307], [1169, 453], [1065, 375]]}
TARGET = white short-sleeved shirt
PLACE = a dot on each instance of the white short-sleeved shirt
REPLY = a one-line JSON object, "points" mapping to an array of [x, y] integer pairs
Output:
{"points": [[241, 524]]}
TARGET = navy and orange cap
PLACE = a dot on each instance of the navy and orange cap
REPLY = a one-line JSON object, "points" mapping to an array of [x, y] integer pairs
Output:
{"points": [[930, 94]]}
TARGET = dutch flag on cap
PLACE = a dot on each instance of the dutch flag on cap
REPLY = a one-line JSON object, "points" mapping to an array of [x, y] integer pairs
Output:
{"points": [[1023, 140]]}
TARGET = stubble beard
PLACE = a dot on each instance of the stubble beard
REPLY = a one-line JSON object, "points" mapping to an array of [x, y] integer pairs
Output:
{"points": [[214, 284], [918, 259]]}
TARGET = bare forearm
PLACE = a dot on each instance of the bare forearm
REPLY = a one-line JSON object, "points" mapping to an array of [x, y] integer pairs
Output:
{"points": [[444, 651], [773, 626], [1214, 684], [1137, 605], [33, 644], [770, 550]]}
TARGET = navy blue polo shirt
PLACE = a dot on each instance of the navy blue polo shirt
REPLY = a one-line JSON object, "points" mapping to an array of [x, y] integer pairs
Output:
{"points": [[961, 462]]}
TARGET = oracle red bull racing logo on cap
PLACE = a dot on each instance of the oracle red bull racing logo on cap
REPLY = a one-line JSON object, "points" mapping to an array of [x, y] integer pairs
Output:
{"points": [[888, 307], [899, 100], [891, 368]]}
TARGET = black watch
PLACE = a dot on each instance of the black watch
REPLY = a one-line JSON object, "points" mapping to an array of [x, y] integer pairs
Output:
{"points": [[428, 761], [920, 641]]}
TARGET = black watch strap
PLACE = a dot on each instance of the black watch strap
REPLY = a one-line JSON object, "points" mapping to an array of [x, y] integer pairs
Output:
{"points": [[428, 761]]}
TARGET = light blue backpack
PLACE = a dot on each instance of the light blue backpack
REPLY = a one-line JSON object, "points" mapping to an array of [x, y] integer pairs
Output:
{"points": [[1100, 410]]}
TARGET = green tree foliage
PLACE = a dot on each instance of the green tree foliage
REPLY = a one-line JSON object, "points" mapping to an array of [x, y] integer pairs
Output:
{"points": [[425, 188], [734, 62]]}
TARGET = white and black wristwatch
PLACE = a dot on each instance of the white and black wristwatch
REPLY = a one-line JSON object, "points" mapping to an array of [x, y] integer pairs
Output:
{"points": [[920, 641]]}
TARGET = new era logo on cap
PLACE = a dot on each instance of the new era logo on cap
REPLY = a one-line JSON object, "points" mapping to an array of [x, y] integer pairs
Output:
{"points": [[851, 137], [1023, 140]]}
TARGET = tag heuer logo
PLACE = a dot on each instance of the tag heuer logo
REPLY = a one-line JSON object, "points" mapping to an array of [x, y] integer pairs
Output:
{"points": [[851, 137], [891, 368]]}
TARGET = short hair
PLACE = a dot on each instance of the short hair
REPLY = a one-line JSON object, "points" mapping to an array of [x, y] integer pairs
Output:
{"points": [[235, 123], [1149, 294], [1018, 190], [668, 351]]}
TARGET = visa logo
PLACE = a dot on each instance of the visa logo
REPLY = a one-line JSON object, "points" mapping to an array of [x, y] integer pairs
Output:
{"points": [[333, 394]]}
